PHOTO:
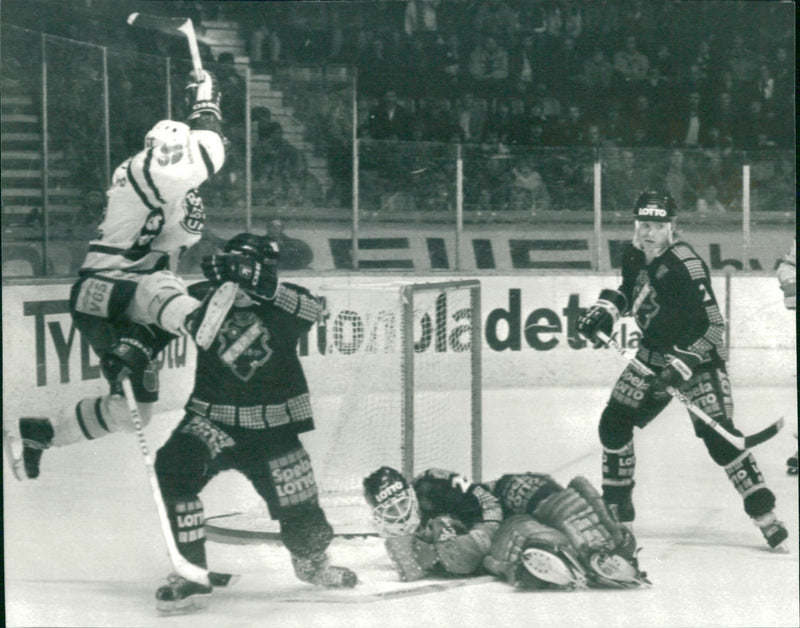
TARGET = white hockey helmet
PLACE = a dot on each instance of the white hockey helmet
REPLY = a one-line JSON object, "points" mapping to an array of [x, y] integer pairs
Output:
{"points": [[167, 133], [394, 504]]}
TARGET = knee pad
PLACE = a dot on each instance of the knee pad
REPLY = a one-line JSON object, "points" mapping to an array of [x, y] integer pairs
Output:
{"points": [[616, 426], [305, 530], [181, 465]]}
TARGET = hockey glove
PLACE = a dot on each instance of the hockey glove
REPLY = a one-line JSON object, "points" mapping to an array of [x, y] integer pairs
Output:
{"points": [[257, 278], [602, 315], [128, 355], [203, 96], [680, 366]]}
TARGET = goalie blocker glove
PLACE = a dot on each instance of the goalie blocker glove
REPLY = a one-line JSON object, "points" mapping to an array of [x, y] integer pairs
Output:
{"points": [[602, 315]]}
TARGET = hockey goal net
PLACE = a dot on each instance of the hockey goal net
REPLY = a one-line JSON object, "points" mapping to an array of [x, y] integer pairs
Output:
{"points": [[395, 379]]}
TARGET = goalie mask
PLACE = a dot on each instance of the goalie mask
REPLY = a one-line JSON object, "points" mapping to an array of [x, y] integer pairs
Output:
{"points": [[167, 133], [394, 505]]}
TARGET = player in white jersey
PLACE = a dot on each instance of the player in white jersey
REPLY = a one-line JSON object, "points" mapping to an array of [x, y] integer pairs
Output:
{"points": [[787, 278], [128, 303]]}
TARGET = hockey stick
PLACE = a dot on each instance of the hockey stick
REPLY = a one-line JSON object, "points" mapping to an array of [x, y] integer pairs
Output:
{"points": [[740, 442], [182, 567], [169, 25]]}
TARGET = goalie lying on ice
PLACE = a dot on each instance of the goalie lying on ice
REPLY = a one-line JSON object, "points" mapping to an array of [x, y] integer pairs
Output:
{"points": [[550, 538]]}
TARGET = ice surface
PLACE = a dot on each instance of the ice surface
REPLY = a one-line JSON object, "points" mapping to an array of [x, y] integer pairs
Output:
{"points": [[83, 546]]}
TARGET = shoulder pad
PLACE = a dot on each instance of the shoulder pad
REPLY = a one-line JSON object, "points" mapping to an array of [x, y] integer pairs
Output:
{"points": [[682, 251]]}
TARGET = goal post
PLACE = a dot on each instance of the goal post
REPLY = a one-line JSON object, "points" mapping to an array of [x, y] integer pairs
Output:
{"points": [[396, 381]]}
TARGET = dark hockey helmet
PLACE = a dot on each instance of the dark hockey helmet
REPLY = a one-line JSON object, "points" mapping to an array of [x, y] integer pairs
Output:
{"points": [[655, 205], [262, 248], [394, 505]]}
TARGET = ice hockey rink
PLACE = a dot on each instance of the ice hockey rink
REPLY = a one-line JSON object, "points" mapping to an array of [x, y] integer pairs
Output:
{"points": [[83, 546]]}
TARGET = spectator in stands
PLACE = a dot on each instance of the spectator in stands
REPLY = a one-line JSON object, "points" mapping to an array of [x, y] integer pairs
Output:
{"points": [[740, 58], [565, 67], [90, 213], [625, 177], [524, 63], [421, 21], [678, 181], [528, 190], [265, 45], [572, 129], [642, 123], [497, 20], [709, 202], [754, 129], [596, 75], [664, 63], [723, 116], [233, 85], [612, 125], [389, 120], [471, 113], [34, 219], [450, 63], [442, 125], [488, 68], [630, 65], [295, 254], [686, 127], [550, 104]]}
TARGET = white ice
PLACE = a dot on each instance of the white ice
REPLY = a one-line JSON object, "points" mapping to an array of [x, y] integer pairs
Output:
{"points": [[83, 546]]}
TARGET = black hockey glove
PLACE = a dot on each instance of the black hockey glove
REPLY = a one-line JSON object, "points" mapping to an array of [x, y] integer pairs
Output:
{"points": [[203, 96], [128, 355], [602, 315], [679, 369], [257, 278]]}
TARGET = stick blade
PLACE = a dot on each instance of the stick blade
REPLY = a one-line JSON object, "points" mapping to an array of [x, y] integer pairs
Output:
{"points": [[764, 435]]}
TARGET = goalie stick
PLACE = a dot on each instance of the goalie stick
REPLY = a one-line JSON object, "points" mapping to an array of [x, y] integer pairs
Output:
{"points": [[740, 442], [169, 25], [182, 567]]}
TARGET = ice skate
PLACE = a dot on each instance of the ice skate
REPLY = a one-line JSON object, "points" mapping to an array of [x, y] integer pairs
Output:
{"points": [[316, 570], [204, 323], [791, 465], [555, 566], [180, 596], [25, 451], [773, 530]]}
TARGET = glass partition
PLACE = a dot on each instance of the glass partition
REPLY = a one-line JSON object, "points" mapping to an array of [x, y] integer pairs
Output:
{"points": [[73, 111]]}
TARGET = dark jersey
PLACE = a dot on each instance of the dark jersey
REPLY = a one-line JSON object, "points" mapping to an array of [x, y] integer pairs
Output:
{"points": [[520, 493], [672, 301], [441, 492], [253, 360]]}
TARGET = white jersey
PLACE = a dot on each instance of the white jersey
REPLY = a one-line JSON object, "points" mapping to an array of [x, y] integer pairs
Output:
{"points": [[154, 212]]}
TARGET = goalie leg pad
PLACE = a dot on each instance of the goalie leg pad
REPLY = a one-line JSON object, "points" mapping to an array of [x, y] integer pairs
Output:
{"points": [[515, 534], [570, 513]]}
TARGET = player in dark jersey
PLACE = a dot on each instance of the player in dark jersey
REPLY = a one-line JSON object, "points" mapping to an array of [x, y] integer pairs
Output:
{"points": [[551, 537], [666, 287], [249, 404]]}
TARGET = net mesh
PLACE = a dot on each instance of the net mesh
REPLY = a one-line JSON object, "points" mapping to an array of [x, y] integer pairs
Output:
{"points": [[363, 384]]}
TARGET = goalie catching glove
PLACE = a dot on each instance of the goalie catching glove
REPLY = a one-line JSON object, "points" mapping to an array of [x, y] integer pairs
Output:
{"points": [[602, 315], [443, 545]]}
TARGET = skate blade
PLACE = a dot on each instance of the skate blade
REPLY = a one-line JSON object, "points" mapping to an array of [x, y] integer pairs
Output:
{"points": [[12, 446], [192, 604]]}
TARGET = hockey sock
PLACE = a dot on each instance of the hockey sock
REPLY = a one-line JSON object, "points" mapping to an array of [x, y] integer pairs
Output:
{"points": [[186, 518], [745, 475], [619, 466]]}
